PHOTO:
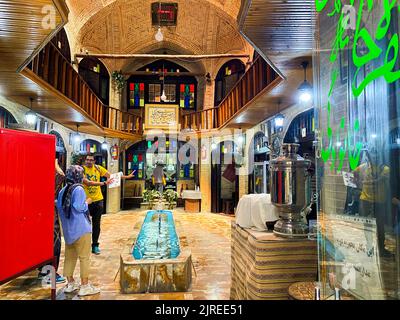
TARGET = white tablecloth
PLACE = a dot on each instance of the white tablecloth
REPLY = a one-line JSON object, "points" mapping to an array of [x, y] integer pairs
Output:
{"points": [[191, 194], [254, 210]]}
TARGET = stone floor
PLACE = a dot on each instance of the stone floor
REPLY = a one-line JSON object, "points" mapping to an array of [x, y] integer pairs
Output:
{"points": [[206, 234]]}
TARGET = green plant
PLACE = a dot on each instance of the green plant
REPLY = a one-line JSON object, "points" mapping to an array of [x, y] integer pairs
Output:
{"points": [[146, 196], [151, 195], [171, 197], [155, 195], [77, 159], [119, 80]]}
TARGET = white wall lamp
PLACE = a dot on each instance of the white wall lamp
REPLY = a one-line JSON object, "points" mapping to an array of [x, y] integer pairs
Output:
{"points": [[77, 136], [104, 145], [31, 116]]}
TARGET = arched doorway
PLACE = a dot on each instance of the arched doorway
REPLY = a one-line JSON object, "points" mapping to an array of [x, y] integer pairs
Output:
{"points": [[259, 156], [227, 77], [61, 151], [96, 75], [224, 181], [6, 118], [302, 132], [179, 159]]}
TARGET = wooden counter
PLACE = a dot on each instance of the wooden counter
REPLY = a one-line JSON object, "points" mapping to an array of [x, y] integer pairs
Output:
{"points": [[264, 265], [192, 205]]}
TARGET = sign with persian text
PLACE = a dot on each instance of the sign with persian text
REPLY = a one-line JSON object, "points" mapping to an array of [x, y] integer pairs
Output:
{"points": [[351, 243], [163, 117]]}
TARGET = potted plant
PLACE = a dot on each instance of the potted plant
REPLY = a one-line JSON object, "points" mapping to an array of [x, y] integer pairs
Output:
{"points": [[119, 80], [146, 200], [171, 197], [154, 198]]}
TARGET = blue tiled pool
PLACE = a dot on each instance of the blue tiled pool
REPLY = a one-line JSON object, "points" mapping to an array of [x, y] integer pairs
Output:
{"points": [[157, 238]]}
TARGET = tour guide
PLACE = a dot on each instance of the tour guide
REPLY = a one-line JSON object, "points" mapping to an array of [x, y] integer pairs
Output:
{"points": [[92, 184]]}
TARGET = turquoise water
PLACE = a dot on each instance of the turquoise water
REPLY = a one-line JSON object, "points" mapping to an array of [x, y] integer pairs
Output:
{"points": [[157, 238]]}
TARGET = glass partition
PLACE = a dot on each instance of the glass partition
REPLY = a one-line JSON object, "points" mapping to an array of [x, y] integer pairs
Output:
{"points": [[356, 82]]}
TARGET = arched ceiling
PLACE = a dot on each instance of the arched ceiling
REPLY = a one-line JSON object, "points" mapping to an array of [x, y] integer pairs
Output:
{"points": [[82, 11], [124, 26]]}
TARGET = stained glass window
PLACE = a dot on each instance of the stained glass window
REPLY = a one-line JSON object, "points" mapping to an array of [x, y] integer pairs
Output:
{"points": [[170, 92], [155, 93], [136, 95], [187, 96]]}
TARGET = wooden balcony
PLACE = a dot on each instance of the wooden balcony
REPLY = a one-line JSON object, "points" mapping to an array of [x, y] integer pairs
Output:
{"points": [[54, 73], [259, 79], [284, 39]]}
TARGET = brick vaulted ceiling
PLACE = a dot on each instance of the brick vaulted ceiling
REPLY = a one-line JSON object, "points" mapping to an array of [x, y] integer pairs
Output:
{"points": [[124, 26]]}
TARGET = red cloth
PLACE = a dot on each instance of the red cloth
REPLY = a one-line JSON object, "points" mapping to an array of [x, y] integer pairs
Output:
{"points": [[230, 173]]}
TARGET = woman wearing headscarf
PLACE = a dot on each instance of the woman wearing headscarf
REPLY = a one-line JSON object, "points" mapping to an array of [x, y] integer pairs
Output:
{"points": [[72, 206]]}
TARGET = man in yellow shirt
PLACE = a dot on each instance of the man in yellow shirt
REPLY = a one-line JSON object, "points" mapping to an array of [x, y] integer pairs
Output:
{"points": [[92, 185]]}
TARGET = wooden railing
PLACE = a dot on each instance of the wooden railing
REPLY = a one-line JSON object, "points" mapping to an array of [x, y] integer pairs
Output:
{"points": [[123, 121], [200, 120], [51, 66], [253, 82]]}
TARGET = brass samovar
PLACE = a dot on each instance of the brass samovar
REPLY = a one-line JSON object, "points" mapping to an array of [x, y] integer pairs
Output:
{"points": [[290, 191]]}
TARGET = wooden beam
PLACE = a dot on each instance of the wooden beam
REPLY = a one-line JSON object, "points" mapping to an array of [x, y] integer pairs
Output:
{"points": [[160, 56], [167, 74]]}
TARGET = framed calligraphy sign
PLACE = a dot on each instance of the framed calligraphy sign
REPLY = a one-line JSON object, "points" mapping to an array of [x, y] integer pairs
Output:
{"points": [[165, 117]]}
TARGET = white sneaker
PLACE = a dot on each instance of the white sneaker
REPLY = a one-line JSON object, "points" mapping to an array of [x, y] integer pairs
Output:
{"points": [[88, 290], [71, 287]]}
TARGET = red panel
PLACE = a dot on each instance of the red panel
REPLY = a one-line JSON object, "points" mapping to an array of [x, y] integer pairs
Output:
{"points": [[142, 87], [182, 88], [26, 200], [132, 86], [192, 88]]}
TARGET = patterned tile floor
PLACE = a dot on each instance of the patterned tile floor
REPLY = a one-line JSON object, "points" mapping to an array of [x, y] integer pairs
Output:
{"points": [[207, 235]]}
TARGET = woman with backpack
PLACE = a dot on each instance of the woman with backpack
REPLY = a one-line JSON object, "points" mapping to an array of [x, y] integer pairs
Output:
{"points": [[72, 205]]}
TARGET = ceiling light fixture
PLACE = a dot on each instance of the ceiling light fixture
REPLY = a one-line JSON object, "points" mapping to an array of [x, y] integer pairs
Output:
{"points": [[163, 96], [159, 35], [279, 118], [31, 116], [305, 88], [77, 136]]}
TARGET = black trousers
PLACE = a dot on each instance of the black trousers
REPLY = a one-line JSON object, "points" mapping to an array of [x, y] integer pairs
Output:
{"points": [[96, 210], [56, 240]]}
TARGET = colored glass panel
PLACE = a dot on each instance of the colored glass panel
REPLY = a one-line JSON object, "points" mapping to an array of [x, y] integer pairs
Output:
{"points": [[187, 96], [136, 95]]}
